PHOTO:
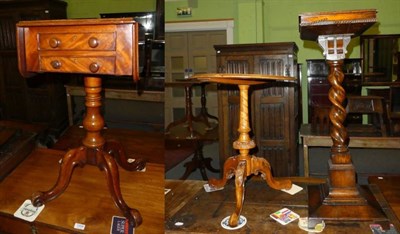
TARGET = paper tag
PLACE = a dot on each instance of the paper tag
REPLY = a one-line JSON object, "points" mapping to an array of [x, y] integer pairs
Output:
{"points": [[293, 190], [28, 212], [79, 226], [167, 190], [120, 225], [209, 188]]}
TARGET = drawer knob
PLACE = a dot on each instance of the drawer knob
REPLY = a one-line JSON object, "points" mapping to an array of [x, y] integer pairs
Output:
{"points": [[54, 42], [94, 67], [56, 64], [93, 42]]}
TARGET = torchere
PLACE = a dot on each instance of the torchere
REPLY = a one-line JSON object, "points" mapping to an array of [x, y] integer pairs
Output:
{"points": [[341, 198]]}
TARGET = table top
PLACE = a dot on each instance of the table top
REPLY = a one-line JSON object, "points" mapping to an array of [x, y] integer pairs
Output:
{"points": [[240, 79], [87, 199], [355, 22], [202, 212]]}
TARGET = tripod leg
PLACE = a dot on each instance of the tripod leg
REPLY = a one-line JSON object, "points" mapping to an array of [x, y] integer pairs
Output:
{"points": [[115, 148], [71, 159], [230, 166], [240, 178], [109, 166], [262, 165]]}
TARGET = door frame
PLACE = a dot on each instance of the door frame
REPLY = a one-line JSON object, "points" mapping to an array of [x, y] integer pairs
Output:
{"points": [[207, 25]]}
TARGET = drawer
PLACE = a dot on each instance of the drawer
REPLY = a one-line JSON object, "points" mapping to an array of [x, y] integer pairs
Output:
{"points": [[95, 65], [77, 41], [89, 46]]}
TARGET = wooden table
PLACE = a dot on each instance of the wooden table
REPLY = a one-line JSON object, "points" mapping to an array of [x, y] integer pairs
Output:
{"points": [[86, 200], [244, 164], [202, 212], [180, 135], [312, 137], [189, 119], [193, 130], [92, 47]]}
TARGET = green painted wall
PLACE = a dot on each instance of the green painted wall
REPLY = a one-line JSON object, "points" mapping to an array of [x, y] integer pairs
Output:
{"points": [[92, 8], [277, 21], [255, 21]]}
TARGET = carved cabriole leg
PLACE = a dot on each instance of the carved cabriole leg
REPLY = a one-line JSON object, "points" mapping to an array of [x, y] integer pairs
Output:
{"points": [[230, 166], [71, 159], [109, 166], [115, 149], [240, 179], [261, 165]]}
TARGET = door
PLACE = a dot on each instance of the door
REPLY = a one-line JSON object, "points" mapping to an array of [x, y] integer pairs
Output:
{"points": [[195, 51]]}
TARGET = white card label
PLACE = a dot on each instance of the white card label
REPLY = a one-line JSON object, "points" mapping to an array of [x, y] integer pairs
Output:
{"points": [[79, 226], [209, 188], [28, 212], [293, 190], [167, 190]]}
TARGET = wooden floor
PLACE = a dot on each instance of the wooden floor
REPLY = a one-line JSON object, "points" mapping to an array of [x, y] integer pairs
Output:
{"points": [[86, 200]]}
